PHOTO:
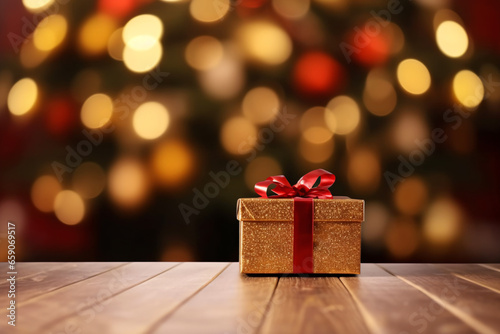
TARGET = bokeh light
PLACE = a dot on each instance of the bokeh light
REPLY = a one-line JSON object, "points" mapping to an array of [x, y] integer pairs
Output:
{"points": [[30, 56], [142, 32], [117, 8], [379, 95], [143, 49], [363, 170], [151, 120], [225, 80], [44, 191], [452, 39], [316, 153], [313, 126], [37, 6], [443, 222], [22, 96], [209, 11], [177, 250], [411, 196], [468, 88], [97, 111], [395, 36], [409, 127], [173, 163], [116, 45], [142, 60], [291, 9], [260, 105], [50, 32], [378, 216], [238, 135], [317, 73], [370, 49], [204, 52], [413, 76], [89, 180], [128, 183], [402, 237], [69, 207], [62, 116], [261, 168], [12, 209], [264, 42], [95, 32], [342, 115]]}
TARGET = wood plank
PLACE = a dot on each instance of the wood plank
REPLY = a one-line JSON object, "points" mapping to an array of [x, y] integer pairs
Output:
{"points": [[137, 309], [27, 269], [475, 305], [494, 266], [232, 303], [389, 305], [484, 276], [50, 280], [312, 305], [88, 296]]}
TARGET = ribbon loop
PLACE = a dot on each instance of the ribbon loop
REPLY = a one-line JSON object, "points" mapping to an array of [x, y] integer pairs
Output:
{"points": [[304, 187]]}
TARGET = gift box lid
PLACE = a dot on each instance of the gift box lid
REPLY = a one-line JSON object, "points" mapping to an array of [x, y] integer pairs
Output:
{"points": [[342, 209]]}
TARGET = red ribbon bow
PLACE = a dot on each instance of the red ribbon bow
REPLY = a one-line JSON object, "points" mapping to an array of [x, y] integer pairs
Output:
{"points": [[303, 188], [303, 211]]}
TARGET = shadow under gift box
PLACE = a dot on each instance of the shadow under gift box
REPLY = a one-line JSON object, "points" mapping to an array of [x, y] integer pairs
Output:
{"points": [[266, 235]]}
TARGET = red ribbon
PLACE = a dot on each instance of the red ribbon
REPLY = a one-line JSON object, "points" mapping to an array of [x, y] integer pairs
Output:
{"points": [[303, 211]]}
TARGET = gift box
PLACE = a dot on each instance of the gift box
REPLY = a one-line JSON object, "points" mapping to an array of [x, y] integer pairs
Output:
{"points": [[303, 229]]}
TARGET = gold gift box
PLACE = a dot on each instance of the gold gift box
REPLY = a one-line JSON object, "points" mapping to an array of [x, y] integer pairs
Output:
{"points": [[266, 235]]}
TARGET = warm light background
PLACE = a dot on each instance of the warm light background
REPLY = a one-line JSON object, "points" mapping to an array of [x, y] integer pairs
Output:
{"points": [[116, 114]]}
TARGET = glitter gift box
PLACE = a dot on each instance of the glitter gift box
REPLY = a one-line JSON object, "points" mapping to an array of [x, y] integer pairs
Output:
{"points": [[267, 235]]}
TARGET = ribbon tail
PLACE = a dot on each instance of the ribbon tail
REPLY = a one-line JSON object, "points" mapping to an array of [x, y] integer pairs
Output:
{"points": [[303, 228]]}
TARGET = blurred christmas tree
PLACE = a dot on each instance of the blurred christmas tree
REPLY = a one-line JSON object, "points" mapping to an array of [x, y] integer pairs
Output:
{"points": [[129, 128]]}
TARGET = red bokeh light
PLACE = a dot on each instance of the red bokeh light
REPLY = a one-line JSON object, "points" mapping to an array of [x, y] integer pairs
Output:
{"points": [[119, 8], [252, 3], [369, 49], [318, 74], [61, 116]]}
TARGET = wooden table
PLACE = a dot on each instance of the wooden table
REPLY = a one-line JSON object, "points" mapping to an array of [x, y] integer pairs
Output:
{"points": [[166, 297]]}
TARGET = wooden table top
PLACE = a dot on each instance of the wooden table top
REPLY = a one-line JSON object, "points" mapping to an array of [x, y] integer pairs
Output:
{"points": [[197, 297]]}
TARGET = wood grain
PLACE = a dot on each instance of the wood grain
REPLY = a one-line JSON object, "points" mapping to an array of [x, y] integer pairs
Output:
{"points": [[484, 276], [312, 305], [87, 296], [494, 266], [40, 283], [186, 298], [137, 309], [240, 302], [49, 280], [390, 305], [474, 304], [28, 269]]}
